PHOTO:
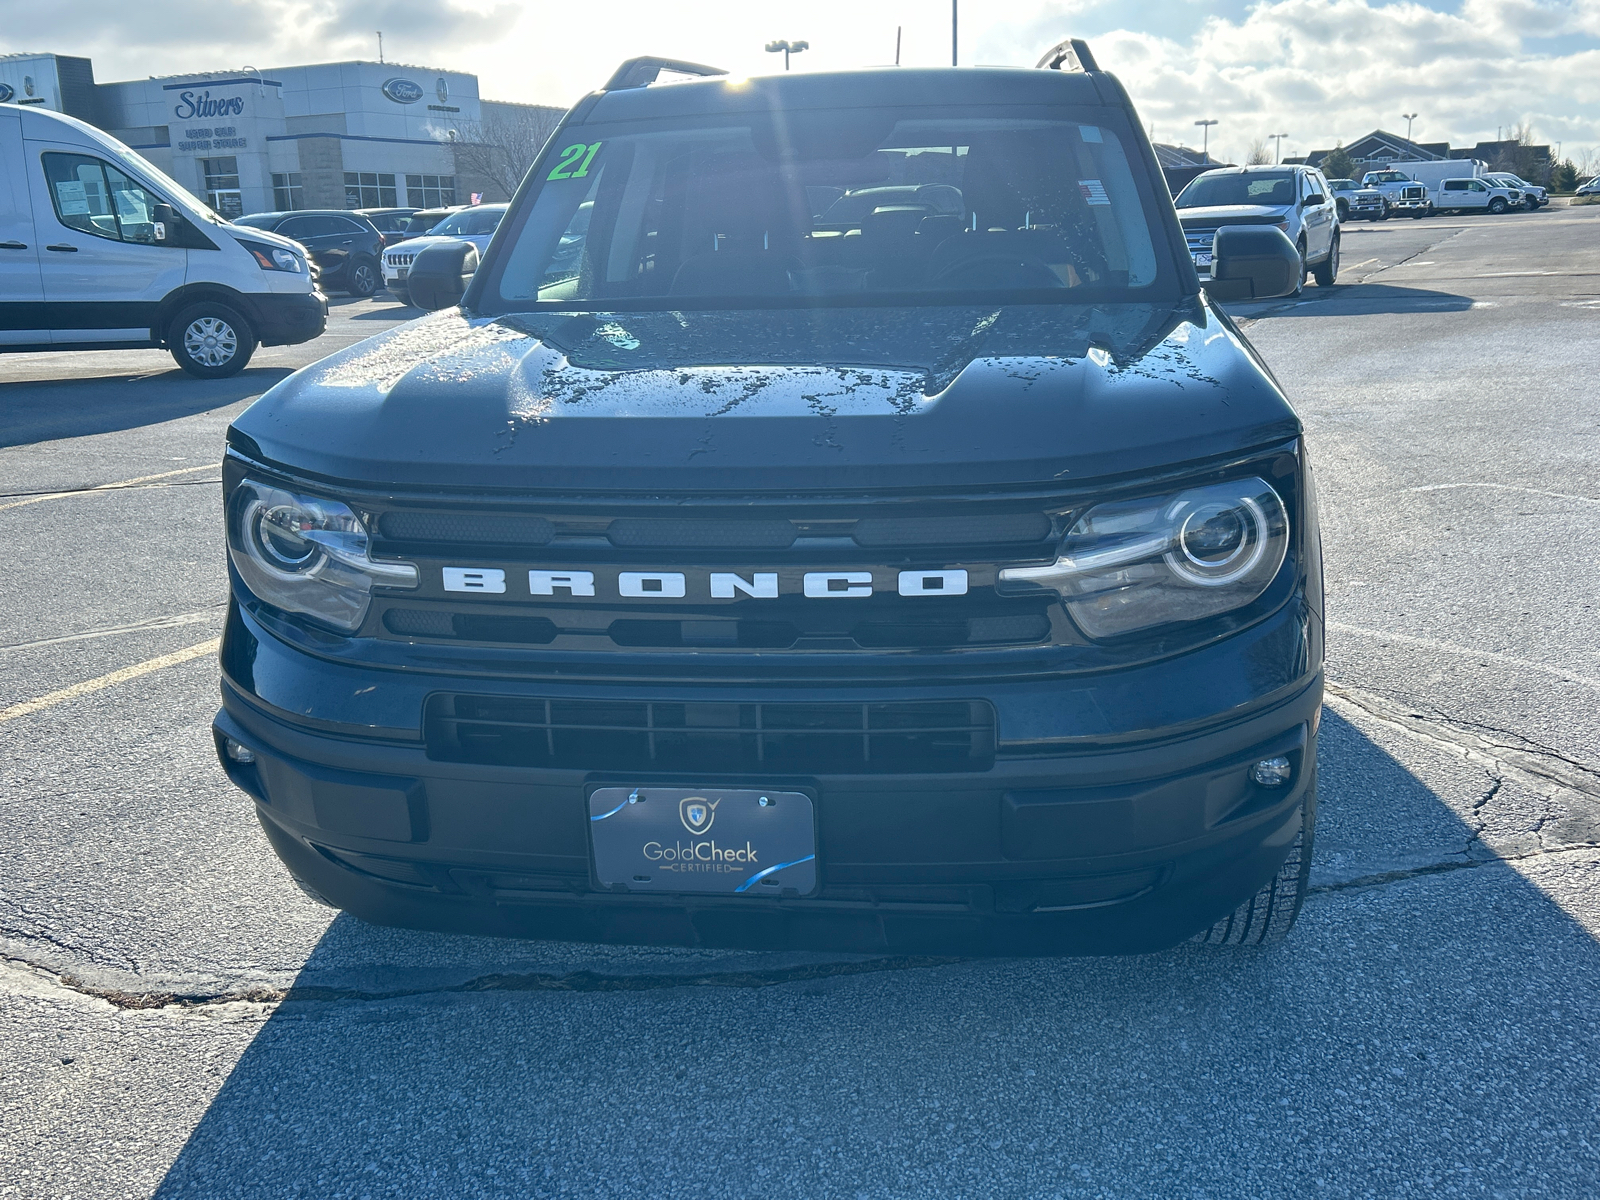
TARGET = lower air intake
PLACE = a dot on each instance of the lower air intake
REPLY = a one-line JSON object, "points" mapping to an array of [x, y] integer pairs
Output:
{"points": [[910, 737]]}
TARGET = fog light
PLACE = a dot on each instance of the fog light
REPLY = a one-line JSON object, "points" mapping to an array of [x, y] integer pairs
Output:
{"points": [[239, 753], [1271, 772]]}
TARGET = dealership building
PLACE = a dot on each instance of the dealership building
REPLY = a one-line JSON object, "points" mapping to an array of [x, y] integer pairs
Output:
{"points": [[332, 135]]}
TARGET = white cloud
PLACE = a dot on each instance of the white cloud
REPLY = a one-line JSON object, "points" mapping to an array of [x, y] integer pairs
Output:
{"points": [[1319, 69]]}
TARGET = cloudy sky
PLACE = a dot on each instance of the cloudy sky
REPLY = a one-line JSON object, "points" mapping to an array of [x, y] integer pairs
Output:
{"points": [[1318, 70]]}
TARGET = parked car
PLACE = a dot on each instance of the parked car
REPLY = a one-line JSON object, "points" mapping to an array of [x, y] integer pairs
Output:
{"points": [[423, 220], [1474, 195], [391, 222], [476, 225], [343, 245], [100, 250], [946, 583], [1295, 199], [1534, 197], [1343, 189], [1368, 204]]}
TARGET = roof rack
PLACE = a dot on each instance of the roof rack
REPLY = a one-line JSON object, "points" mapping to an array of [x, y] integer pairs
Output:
{"points": [[642, 72], [1069, 54]]}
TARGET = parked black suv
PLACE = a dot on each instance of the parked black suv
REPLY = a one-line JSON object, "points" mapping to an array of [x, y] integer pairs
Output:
{"points": [[834, 516], [343, 245], [393, 223]]}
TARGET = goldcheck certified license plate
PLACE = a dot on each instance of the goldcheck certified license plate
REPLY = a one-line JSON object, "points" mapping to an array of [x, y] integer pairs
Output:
{"points": [[714, 840]]}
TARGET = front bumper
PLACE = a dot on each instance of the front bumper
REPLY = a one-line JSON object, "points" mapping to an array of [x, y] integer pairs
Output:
{"points": [[288, 318], [1129, 839]]}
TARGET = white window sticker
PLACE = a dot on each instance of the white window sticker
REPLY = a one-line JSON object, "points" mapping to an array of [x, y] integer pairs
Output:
{"points": [[1090, 133], [1094, 192], [73, 199], [545, 583], [474, 579]]}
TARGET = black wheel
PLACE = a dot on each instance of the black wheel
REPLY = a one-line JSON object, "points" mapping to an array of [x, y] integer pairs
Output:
{"points": [[1269, 915], [1497, 205], [1328, 269], [211, 340], [363, 278], [1301, 285]]}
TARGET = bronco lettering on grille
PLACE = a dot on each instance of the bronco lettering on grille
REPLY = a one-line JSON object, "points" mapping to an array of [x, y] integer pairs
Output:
{"points": [[720, 585]]}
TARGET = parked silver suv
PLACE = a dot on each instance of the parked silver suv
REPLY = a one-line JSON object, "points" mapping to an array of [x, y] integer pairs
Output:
{"points": [[1296, 199]]}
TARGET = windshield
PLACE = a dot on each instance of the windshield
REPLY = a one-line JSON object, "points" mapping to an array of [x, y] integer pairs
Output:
{"points": [[1342, 185], [469, 222], [836, 205], [1226, 187]]}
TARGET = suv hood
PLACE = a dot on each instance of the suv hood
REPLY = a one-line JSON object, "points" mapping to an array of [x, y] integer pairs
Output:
{"points": [[417, 244], [772, 399], [1242, 214]]}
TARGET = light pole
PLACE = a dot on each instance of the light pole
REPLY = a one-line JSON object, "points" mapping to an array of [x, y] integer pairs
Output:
{"points": [[787, 48], [1277, 156], [1205, 140], [1410, 117]]}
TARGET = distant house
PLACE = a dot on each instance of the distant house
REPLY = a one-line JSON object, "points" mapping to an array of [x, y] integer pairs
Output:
{"points": [[1180, 164], [1380, 148]]}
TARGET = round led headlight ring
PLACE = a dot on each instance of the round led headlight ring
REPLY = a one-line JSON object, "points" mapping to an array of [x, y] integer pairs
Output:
{"points": [[1218, 543], [276, 532]]}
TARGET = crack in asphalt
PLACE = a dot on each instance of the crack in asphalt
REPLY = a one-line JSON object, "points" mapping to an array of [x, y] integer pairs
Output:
{"points": [[1403, 874], [532, 981], [1496, 757]]}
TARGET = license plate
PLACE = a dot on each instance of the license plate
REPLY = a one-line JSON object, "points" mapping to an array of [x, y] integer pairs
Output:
{"points": [[1202, 260], [728, 842]]}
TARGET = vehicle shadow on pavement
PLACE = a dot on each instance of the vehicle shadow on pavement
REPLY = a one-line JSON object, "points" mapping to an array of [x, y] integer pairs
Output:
{"points": [[389, 312], [1370, 299], [51, 409], [1429, 1035]]}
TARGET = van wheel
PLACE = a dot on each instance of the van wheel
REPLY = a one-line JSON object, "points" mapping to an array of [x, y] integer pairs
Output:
{"points": [[211, 340], [1328, 269], [363, 278], [1269, 915], [1497, 205]]}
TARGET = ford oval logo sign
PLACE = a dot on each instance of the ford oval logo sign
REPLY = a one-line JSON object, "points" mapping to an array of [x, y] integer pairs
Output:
{"points": [[402, 91], [6, 92]]}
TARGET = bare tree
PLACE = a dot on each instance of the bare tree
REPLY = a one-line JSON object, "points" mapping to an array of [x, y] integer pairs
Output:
{"points": [[1259, 154], [500, 148]]}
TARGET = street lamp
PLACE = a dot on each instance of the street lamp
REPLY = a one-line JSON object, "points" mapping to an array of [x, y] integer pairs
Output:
{"points": [[1410, 117], [1205, 141], [1277, 156], [787, 48]]}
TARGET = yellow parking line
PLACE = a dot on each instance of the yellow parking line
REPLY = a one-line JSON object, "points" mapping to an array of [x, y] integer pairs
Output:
{"points": [[108, 487], [115, 677]]}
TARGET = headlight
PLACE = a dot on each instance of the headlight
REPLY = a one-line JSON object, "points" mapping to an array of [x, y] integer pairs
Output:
{"points": [[307, 555], [1136, 564], [274, 258]]}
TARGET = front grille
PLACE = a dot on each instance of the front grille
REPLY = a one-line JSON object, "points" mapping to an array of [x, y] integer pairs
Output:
{"points": [[462, 530], [904, 737]]}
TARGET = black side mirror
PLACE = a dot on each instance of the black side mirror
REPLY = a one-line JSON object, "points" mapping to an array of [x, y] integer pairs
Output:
{"points": [[1253, 262], [1315, 199], [440, 273]]}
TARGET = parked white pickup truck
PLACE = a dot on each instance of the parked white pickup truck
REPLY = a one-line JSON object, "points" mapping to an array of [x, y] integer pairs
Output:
{"points": [[1470, 195]]}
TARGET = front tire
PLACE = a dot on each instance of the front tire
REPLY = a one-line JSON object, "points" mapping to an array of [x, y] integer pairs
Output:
{"points": [[1497, 206], [1328, 269], [211, 340], [1301, 286], [1268, 916], [363, 278]]}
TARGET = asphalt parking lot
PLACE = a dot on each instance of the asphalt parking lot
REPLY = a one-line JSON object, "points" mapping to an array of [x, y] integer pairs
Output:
{"points": [[176, 1020]]}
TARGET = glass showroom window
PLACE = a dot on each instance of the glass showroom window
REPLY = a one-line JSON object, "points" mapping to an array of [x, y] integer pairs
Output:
{"points": [[287, 194], [430, 191], [367, 189], [222, 186]]}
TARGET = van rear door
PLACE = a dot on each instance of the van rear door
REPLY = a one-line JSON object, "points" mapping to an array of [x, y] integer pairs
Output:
{"points": [[104, 270], [21, 290]]}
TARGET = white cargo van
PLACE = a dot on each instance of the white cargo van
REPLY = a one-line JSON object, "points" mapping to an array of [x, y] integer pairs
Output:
{"points": [[99, 250]]}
